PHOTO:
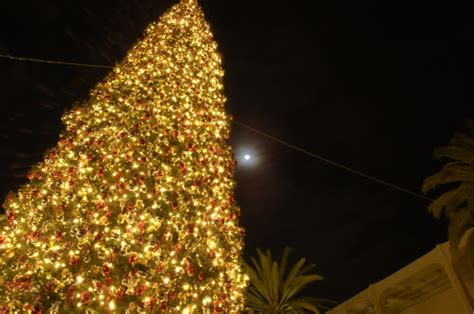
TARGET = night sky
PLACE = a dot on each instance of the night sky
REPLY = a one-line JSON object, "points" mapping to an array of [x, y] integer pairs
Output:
{"points": [[373, 85]]}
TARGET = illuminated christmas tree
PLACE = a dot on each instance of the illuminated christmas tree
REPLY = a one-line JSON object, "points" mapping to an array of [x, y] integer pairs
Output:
{"points": [[133, 210]]}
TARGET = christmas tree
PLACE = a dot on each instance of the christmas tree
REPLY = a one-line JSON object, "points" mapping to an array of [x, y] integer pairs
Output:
{"points": [[133, 210]]}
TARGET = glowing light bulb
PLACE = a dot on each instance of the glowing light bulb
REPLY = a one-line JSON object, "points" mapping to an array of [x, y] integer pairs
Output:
{"points": [[247, 157], [186, 311], [80, 279]]}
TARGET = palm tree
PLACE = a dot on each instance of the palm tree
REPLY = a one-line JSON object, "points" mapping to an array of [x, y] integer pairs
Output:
{"points": [[273, 289], [457, 202]]}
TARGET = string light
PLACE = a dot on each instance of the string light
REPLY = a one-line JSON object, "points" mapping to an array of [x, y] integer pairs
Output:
{"points": [[133, 210]]}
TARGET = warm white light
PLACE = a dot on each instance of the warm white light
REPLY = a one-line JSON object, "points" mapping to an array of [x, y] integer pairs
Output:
{"points": [[247, 157], [186, 311], [112, 305], [80, 279]]}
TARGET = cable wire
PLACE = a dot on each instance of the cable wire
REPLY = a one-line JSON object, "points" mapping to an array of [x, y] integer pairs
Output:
{"points": [[328, 161], [336, 164], [55, 62]]}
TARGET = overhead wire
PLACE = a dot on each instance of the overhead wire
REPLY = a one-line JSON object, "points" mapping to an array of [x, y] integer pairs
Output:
{"points": [[7, 56], [336, 164], [243, 125]]}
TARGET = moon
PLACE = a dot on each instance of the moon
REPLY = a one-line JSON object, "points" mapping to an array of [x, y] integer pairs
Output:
{"points": [[247, 156]]}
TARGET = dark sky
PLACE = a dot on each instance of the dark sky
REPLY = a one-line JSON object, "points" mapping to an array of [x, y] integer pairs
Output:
{"points": [[374, 85]]}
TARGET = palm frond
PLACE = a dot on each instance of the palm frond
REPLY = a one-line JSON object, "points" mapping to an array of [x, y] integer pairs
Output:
{"points": [[454, 174], [458, 203], [451, 201], [258, 287], [463, 141], [308, 304], [298, 284], [284, 262], [266, 275], [308, 268], [458, 225], [273, 290], [453, 153], [292, 274]]}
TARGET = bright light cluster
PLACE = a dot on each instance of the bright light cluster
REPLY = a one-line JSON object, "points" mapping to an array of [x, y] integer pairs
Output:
{"points": [[133, 210]]}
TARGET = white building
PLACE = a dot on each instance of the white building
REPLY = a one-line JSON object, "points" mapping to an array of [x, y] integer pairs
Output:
{"points": [[433, 284]]}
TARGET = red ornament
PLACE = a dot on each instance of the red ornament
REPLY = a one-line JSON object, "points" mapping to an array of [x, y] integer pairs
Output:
{"points": [[217, 306], [159, 268], [50, 286], [27, 307], [118, 175], [141, 226], [140, 290], [212, 254], [106, 270], [34, 235], [70, 293], [183, 168], [150, 304], [85, 297], [99, 237], [200, 277], [120, 293], [73, 260], [132, 258], [100, 172], [191, 228], [100, 205], [108, 281], [8, 199], [11, 218], [164, 306], [172, 295], [190, 270]]}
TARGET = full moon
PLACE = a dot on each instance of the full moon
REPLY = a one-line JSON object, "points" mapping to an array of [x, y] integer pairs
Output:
{"points": [[247, 157]]}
